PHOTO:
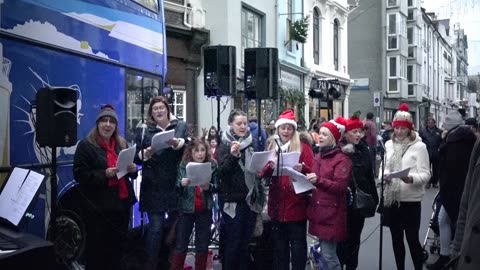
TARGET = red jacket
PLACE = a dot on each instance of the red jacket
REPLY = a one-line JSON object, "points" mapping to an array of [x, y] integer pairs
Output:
{"points": [[283, 204], [327, 210]]}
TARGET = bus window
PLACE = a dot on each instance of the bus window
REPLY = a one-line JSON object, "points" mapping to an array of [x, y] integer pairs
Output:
{"points": [[140, 90]]}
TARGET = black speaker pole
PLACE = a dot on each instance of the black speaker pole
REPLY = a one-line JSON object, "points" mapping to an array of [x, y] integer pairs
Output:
{"points": [[53, 195], [218, 113], [259, 121]]}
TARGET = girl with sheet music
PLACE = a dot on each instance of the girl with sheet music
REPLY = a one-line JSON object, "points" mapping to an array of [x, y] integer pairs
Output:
{"points": [[195, 206]]}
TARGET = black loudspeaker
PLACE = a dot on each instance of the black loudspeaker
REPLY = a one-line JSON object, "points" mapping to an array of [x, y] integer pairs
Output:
{"points": [[219, 72], [261, 73], [56, 117]]}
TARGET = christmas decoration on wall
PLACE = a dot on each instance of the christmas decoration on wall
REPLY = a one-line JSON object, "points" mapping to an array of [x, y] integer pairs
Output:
{"points": [[299, 29]]}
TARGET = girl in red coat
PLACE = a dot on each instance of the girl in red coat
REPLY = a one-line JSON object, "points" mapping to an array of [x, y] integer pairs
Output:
{"points": [[287, 209], [327, 210]]}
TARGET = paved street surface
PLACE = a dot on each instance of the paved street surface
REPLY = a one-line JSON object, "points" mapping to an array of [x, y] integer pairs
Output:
{"points": [[369, 250]]}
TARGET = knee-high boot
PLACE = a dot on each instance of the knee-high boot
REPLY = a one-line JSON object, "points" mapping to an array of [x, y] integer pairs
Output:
{"points": [[201, 261]]}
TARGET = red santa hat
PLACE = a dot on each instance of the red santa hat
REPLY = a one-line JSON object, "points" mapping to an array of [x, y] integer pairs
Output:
{"points": [[353, 123], [336, 127], [403, 118], [286, 117]]}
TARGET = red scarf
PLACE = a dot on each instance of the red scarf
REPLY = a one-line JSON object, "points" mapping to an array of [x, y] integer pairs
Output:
{"points": [[112, 162]]}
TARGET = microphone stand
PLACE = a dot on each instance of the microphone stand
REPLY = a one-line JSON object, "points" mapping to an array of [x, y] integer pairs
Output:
{"points": [[381, 204]]}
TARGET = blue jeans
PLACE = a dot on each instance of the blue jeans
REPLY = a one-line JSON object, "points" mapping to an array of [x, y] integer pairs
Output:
{"points": [[329, 255], [236, 234], [289, 240], [203, 223], [157, 222]]}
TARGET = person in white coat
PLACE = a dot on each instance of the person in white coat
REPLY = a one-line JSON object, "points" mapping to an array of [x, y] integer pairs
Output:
{"points": [[403, 196]]}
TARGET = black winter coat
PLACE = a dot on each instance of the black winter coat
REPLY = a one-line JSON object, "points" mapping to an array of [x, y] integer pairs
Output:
{"points": [[159, 174], [89, 165], [454, 158], [432, 139], [231, 177], [362, 170]]}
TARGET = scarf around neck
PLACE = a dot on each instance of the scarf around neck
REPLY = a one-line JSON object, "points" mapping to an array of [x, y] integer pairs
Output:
{"points": [[112, 162], [229, 136], [394, 163]]}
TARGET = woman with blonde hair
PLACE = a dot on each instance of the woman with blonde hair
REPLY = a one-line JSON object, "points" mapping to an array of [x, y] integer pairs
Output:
{"points": [[403, 196], [288, 210]]}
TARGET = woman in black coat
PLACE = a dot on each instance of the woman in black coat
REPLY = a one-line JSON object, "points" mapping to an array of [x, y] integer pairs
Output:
{"points": [[108, 199], [241, 196], [362, 173], [158, 195]]}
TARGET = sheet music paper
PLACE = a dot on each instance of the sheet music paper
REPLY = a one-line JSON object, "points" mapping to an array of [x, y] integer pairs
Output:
{"points": [[19, 191], [125, 158], [199, 173], [159, 140], [290, 159], [398, 174], [299, 181], [258, 160]]}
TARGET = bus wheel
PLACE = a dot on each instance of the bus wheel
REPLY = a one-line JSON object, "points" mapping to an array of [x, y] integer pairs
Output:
{"points": [[70, 237]]}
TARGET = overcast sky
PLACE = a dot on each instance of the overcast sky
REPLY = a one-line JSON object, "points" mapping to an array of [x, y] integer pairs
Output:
{"points": [[466, 13]]}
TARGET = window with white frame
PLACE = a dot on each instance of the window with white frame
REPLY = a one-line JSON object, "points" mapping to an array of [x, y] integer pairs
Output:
{"points": [[335, 43], [392, 3], [392, 35], [289, 19], [410, 35], [412, 52], [392, 74], [411, 14], [251, 30], [179, 104], [411, 79], [316, 36], [411, 3]]}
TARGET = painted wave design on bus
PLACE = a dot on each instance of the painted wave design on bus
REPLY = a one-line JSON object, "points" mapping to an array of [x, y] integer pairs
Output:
{"points": [[104, 37]]}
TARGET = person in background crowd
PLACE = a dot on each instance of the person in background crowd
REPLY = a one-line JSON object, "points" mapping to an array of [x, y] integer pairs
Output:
{"points": [[432, 138], [213, 149], [240, 192], [466, 244], [158, 195], [211, 133], [310, 126], [109, 198], [327, 209], [472, 123], [315, 134], [362, 173], [270, 128], [403, 196], [195, 206], [258, 134], [454, 155], [320, 121], [387, 131], [288, 210], [371, 137]]}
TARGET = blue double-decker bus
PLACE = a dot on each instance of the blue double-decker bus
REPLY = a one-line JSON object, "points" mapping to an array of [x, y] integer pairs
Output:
{"points": [[109, 51]]}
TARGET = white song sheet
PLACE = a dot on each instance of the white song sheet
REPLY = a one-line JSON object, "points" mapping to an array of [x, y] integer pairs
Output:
{"points": [[18, 193], [159, 140], [125, 158], [299, 181], [398, 174], [199, 173], [258, 160]]}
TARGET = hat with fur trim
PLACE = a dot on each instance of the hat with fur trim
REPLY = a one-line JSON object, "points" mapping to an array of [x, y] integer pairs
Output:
{"points": [[353, 123], [403, 118], [286, 117], [107, 110], [336, 127]]}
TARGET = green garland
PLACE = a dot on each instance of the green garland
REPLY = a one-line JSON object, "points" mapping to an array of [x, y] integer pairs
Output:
{"points": [[299, 30]]}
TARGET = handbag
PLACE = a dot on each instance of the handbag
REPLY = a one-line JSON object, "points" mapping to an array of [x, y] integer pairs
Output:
{"points": [[363, 203]]}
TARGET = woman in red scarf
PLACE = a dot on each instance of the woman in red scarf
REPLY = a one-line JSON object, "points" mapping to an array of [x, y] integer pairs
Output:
{"points": [[107, 198]]}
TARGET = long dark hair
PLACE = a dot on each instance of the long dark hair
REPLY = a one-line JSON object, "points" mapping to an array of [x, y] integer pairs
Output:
{"points": [[192, 145], [154, 100]]}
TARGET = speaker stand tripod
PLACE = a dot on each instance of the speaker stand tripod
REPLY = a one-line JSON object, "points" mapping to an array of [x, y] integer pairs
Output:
{"points": [[53, 195]]}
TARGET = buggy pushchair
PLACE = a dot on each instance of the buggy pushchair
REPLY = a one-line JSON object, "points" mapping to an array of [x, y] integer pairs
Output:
{"points": [[432, 240]]}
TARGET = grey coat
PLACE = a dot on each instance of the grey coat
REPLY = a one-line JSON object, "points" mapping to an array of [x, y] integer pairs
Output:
{"points": [[467, 235]]}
